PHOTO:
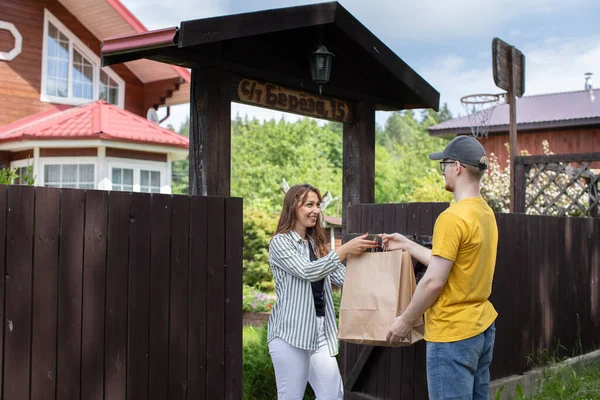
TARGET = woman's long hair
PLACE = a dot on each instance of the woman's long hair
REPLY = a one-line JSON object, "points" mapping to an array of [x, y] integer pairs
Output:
{"points": [[287, 220]]}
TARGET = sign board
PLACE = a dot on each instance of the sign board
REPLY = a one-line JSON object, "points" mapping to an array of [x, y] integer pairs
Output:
{"points": [[275, 97], [501, 62]]}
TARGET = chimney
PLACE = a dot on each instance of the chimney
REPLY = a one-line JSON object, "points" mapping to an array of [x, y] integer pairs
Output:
{"points": [[588, 81]]}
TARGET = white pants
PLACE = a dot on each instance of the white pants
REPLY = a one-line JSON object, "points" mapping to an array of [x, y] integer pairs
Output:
{"points": [[294, 367]]}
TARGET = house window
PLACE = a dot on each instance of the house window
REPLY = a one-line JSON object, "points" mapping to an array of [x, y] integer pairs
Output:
{"points": [[24, 175], [83, 77], [122, 179], [57, 63], [149, 181], [109, 89], [71, 73], [80, 176]]}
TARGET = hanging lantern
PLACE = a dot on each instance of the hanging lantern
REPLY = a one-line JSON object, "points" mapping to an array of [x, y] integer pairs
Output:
{"points": [[320, 66]]}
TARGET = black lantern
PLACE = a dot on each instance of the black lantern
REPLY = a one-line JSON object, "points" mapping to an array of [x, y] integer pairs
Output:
{"points": [[320, 66]]}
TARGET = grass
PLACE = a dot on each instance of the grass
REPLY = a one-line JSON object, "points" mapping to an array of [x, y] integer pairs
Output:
{"points": [[565, 383]]}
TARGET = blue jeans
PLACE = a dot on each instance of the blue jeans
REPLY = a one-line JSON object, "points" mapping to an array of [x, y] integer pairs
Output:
{"points": [[461, 370]]}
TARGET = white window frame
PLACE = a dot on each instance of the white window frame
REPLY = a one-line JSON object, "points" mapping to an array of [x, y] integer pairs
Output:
{"points": [[137, 166], [26, 163], [67, 160], [75, 43]]}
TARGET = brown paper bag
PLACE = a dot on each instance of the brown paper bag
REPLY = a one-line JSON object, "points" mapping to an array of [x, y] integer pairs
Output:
{"points": [[377, 288]]}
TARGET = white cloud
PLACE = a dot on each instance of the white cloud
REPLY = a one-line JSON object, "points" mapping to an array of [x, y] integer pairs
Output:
{"points": [[555, 65], [158, 14]]}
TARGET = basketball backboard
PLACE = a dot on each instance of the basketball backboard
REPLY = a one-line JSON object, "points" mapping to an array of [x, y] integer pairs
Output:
{"points": [[501, 59]]}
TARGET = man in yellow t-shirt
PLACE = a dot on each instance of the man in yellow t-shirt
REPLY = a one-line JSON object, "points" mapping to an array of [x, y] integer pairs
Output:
{"points": [[454, 292]]}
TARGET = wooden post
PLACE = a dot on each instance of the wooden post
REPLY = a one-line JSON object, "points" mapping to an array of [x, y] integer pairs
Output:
{"points": [[358, 182], [512, 132], [519, 187], [210, 132]]}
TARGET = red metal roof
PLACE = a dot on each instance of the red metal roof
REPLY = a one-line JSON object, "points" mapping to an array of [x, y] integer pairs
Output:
{"points": [[97, 120]]}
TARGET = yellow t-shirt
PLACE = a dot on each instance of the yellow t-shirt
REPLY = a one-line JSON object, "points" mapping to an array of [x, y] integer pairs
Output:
{"points": [[467, 234]]}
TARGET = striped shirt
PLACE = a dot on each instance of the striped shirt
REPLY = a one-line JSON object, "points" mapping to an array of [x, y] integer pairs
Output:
{"points": [[293, 318]]}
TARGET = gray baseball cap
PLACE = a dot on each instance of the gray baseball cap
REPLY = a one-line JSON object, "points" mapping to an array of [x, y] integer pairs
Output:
{"points": [[465, 149]]}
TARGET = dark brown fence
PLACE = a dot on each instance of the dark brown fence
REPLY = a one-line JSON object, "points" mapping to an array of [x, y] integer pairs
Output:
{"points": [[546, 291], [119, 295]]}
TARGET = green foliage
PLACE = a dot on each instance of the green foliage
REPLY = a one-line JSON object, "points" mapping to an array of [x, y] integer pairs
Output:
{"points": [[8, 175], [258, 373], [259, 226], [265, 153], [403, 170]]}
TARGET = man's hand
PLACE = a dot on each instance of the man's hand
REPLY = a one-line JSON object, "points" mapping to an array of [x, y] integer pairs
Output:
{"points": [[399, 331], [394, 241]]}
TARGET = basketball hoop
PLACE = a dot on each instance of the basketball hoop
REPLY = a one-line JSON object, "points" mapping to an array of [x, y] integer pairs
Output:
{"points": [[479, 108]]}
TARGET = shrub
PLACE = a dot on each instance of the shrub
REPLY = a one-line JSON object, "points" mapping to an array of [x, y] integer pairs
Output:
{"points": [[259, 226], [259, 375]]}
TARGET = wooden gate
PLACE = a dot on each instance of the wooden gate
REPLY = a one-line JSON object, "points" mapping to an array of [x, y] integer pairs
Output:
{"points": [[384, 372], [545, 291], [114, 295]]}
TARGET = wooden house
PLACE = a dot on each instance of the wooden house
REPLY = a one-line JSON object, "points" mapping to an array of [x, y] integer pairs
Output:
{"points": [[73, 122], [569, 121]]}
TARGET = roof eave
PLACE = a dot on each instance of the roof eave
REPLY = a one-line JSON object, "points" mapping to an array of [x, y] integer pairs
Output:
{"points": [[136, 43]]}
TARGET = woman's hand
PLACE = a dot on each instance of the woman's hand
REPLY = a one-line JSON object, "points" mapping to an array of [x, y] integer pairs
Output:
{"points": [[355, 246], [394, 241]]}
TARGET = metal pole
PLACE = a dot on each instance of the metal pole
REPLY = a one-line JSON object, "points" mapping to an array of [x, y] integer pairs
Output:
{"points": [[512, 132]]}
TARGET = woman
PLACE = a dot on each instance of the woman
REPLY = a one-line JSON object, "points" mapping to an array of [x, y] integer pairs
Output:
{"points": [[302, 328]]}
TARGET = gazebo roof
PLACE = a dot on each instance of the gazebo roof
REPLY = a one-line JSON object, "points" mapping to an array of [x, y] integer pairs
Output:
{"points": [[274, 45]]}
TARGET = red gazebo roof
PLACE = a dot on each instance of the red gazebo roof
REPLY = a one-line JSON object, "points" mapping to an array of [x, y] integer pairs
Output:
{"points": [[96, 120]]}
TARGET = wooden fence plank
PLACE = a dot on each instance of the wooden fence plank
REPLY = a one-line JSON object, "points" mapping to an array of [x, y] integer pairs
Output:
{"points": [[413, 214], [425, 228], [3, 240], [17, 321], [233, 300], [45, 284], [215, 294], [115, 384], [158, 352], [382, 359], [178, 331], [197, 297], [70, 279], [139, 294], [397, 353], [94, 299]]}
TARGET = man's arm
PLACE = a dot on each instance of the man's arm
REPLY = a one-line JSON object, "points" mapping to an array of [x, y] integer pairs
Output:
{"points": [[421, 253], [427, 292]]}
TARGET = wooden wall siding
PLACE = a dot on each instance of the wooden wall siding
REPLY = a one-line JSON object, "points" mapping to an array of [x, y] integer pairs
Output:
{"points": [[74, 152], [545, 292], [576, 140], [21, 155], [136, 155], [110, 295], [20, 79]]}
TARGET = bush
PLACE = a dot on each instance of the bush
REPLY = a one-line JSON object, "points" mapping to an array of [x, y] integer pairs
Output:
{"points": [[259, 375], [259, 226]]}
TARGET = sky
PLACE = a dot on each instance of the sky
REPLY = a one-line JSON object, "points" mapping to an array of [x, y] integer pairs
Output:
{"points": [[448, 43]]}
